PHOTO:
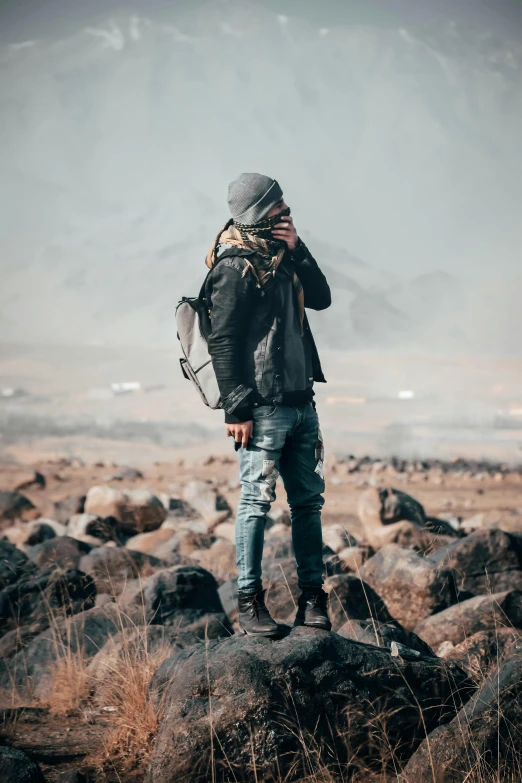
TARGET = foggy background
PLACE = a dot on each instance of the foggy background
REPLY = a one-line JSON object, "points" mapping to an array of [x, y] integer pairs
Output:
{"points": [[393, 127]]}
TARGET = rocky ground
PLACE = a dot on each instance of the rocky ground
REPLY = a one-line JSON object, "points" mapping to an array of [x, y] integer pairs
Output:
{"points": [[120, 659]]}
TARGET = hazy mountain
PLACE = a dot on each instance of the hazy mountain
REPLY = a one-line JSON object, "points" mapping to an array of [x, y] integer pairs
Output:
{"points": [[400, 146]]}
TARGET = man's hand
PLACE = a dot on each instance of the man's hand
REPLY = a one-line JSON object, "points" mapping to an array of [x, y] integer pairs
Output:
{"points": [[285, 230], [241, 432]]}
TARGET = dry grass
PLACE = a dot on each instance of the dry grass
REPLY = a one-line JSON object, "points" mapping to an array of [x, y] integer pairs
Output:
{"points": [[126, 691], [70, 683]]}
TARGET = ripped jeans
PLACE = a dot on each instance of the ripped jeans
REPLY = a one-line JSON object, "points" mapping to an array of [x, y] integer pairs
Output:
{"points": [[286, 441]]}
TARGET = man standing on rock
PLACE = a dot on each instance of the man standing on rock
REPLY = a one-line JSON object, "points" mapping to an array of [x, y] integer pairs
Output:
{"points": [[266, 361]]}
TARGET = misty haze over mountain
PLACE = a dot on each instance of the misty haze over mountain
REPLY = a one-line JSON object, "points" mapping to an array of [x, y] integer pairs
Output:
{"points": [[397, 148]]}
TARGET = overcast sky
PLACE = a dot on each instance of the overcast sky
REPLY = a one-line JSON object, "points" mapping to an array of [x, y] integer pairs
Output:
{"points": [[21, 19]]}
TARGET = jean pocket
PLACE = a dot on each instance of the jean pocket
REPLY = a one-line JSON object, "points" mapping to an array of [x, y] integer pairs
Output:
{"points": [[264, 411]]}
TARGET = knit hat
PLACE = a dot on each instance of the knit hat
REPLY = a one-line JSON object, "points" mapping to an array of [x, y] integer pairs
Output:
{"points": [[252, 196]]}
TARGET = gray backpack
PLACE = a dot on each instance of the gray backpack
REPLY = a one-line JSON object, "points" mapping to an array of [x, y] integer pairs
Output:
{"points": [[193, 324]]}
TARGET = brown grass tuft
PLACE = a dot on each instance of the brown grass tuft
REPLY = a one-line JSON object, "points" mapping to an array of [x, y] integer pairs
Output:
{"points": [[125, 692]]}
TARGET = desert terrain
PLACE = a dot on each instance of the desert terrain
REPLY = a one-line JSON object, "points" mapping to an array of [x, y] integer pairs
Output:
{"points": [[104, 624]]}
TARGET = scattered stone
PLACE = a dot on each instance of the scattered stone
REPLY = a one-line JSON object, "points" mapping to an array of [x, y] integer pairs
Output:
{"points": [[31, 481], [411, 586], [487, 730], [385, 506], [207, 501], [15, 506], [62, 551], [92, 529], [32, 533], [66, 508], [149, 542], [126, 473], [136, 510], [481, 613], [487, 561], [18, 767], [336, 687]]}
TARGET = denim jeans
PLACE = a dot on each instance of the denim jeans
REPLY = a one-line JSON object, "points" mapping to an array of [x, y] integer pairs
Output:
{"points": [[286, 441]]}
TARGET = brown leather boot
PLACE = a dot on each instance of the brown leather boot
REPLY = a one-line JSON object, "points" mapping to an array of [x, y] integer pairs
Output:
{"points": [[254, 617], [312, 610]]}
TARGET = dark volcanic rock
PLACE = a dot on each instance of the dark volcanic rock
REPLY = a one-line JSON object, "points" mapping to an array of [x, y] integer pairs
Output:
{"points": [[487, 561], [111, 565], [62, 552], [481, 613], [269, 698], [13, 564], [353, 599], [411, 586], [486, 734], [17, 767], [358, 613], [383, 634], [14, 506], [186, 596], [35, 598]]}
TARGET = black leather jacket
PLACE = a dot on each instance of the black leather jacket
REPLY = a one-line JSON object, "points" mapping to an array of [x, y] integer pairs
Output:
{"points": [[246, 338]]}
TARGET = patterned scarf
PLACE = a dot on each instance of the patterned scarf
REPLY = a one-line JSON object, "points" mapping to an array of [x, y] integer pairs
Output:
{"points": [[268, 252]]}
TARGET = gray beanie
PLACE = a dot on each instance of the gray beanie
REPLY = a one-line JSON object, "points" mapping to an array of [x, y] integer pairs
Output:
{"points": [[251, 196]]}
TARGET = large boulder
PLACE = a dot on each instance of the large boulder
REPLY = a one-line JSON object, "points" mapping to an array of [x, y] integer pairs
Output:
{"points": [[18, 767], [13, 564], [208, 502], [136, 510], [383, 635], [486, 734], [481, 613], [487, 561], [411, 586], [15, 506], [186, 596], [265, 703], [353, 599], [112, 565], [358, 613], [38, 597], [61, 552], [380, 507]]}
